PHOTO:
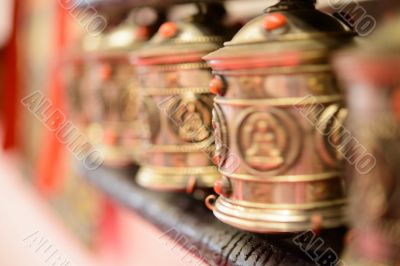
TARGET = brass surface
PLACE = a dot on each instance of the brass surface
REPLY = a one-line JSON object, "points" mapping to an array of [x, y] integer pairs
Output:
{"points": [[280, 218], [176, 178], [176, 106], [274, 120]]}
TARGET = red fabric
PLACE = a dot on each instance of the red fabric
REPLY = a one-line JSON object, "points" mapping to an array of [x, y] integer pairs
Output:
{"points": [[109, 229], [50, 164], [11, 89], [52, 159]]}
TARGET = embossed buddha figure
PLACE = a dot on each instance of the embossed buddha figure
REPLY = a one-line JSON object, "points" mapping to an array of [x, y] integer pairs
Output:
{"points": [[264, 152], [193, 128]]}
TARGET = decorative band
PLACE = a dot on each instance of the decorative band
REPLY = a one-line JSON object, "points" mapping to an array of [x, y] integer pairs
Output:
{"points": [[285, 178], [290, 101], [172, 91], [181, 170], [280, 206], [314, 69], [191, 148], [343, 35], [199, 40], [172, 67]]}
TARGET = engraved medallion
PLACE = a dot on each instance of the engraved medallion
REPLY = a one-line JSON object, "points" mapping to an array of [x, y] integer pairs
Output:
{"points": [[190, 118], [264, 143]]}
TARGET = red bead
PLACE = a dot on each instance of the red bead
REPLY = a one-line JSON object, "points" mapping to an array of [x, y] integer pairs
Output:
{"points": [[105, 72], [168, 29], [316, 223], [218, 186], [274, 21], [216, 86], [110, 137], [142, 33], [215, 159]]}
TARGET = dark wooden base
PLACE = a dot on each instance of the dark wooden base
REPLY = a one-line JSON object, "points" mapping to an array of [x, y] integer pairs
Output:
{"points": [[190, 223]]}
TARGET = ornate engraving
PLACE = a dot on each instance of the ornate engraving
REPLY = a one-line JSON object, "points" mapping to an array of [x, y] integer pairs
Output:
{"points": [[323, 83], [150, 119], [190, 118], [265, 144], [329, 135], [220, 134], [117, 93], [325, 190]]}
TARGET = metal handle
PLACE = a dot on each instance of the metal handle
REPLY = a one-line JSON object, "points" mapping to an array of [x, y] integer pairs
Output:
{"points": [[210, 202]]}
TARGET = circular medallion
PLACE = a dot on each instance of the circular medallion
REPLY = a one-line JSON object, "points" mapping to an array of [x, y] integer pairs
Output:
{"points": [[190, 117], [269, 141], [330, 135], [220, 134]]}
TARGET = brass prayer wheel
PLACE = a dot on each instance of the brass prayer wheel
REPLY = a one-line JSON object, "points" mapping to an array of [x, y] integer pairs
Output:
{"points": [[176, 106], [111, 93], [371, 75], [277, 100]]}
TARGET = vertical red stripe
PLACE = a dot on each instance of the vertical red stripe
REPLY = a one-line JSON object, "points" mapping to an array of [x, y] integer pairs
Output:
{"points": [[11, 87], [50, 164]]}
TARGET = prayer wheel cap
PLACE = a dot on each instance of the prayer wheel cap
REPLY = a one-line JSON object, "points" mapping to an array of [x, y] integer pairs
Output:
{"points": [[375, 58], [188, 39], [126, 37], [122, 40], [284, 35]]}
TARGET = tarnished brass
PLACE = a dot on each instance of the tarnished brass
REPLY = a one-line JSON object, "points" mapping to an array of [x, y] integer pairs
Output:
{"points": [[371, 75], [110, 95], [276, 118], [176, 107]]}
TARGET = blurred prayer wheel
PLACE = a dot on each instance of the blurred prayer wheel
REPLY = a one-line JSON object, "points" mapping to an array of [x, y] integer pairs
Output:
{"points": [[371, 75], [74, 77], [276, 117], [176, 106], [111, 96]]}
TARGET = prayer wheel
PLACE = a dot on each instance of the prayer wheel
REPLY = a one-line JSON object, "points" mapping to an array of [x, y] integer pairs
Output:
{"points": [[176, 105], [277, 116], [371, 76]]}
